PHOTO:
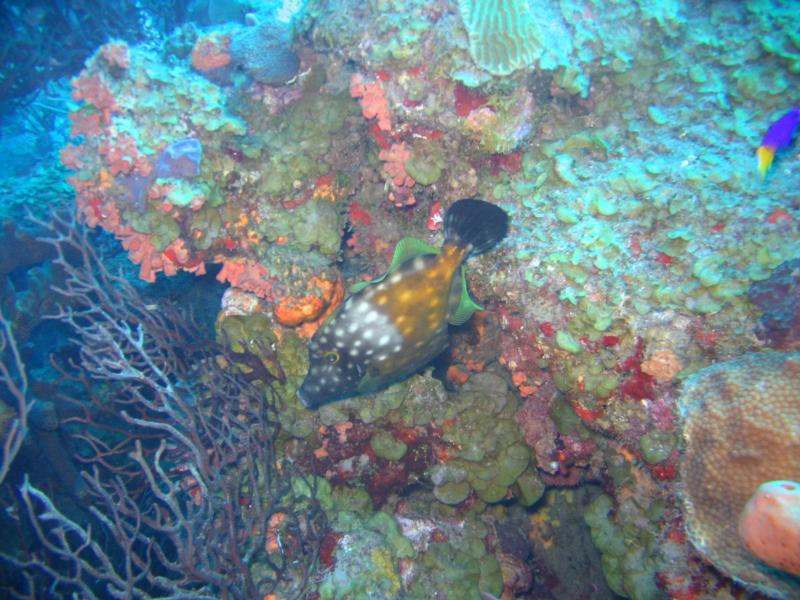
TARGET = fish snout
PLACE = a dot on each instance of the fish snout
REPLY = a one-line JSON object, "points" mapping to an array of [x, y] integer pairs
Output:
{"points": [[307, 397]]}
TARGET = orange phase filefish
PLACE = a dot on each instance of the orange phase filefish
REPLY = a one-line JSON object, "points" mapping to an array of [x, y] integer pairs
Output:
{"points": [[392, 326]]}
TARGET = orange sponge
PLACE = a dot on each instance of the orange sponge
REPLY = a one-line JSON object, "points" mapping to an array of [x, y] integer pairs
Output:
{"points": [[769, 525]]}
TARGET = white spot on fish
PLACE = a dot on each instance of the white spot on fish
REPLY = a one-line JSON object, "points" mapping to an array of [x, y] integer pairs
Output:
{"points": [[384, 340], [371, 317], [382, 357], [357, 344], [396, 278], [339, 332], [368, 334], [352, 327], [419, 263], [398, 348], [362, 307]]}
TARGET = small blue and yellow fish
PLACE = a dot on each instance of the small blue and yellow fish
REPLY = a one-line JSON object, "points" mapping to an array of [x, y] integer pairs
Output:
{"points": [[778, 136], [394, 325]]}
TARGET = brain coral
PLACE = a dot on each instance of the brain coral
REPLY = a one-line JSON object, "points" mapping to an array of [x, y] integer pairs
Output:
{"points": [[264, 51], [501, 34], [741, 428]]}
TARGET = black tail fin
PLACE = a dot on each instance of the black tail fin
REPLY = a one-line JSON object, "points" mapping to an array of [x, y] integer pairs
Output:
{"points": [[475, 224]]}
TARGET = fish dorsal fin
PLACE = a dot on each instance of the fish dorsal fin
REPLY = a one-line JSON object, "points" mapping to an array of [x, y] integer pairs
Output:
{"points": [[466, 305], [406, 249]]}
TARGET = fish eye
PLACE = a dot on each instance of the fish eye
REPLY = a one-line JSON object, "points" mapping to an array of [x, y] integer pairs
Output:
{"points": [[331, 357]]}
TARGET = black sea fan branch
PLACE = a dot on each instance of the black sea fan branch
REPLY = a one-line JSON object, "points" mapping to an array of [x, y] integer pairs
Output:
{"points": [[179, 448]]}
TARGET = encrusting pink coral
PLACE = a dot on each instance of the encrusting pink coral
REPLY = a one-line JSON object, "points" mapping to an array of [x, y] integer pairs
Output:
{"points": [[141, 252], [372, 99], [247, 275], [394, 159]]}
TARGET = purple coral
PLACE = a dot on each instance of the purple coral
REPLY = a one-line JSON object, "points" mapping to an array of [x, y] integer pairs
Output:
{"points": [[180, 159]]}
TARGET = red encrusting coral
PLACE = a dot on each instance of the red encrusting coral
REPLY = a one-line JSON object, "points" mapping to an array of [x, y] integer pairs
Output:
{"points": [[466, 100], [344, 454], [211, 52], [85, 122], [71, 157], [509, 163], [538, 429], [122, 156], [93, 90], [327, 548], [116, 54], [639, 385], [358, 213]]}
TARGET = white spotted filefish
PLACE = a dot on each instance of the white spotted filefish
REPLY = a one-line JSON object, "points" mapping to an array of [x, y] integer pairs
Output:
{"points": [[394, 325]]}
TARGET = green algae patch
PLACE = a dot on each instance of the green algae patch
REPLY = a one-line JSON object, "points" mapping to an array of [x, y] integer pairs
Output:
{"points": [[445, 567], [566, 342], [531, 488], [656, 446], [426, 163], [564, 169], [452, 493], [369, 563], [599, 202], [387, 446], [491, 453], [657, 115]]}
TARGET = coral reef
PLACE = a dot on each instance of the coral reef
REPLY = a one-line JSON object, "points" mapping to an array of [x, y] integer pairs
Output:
{"points": [[738, 416], [287, 151], [770, 525]]}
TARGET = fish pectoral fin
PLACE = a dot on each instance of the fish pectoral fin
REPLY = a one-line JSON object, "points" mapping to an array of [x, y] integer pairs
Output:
{"points": [[466, 305], [357, 287], [407, 248]]}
